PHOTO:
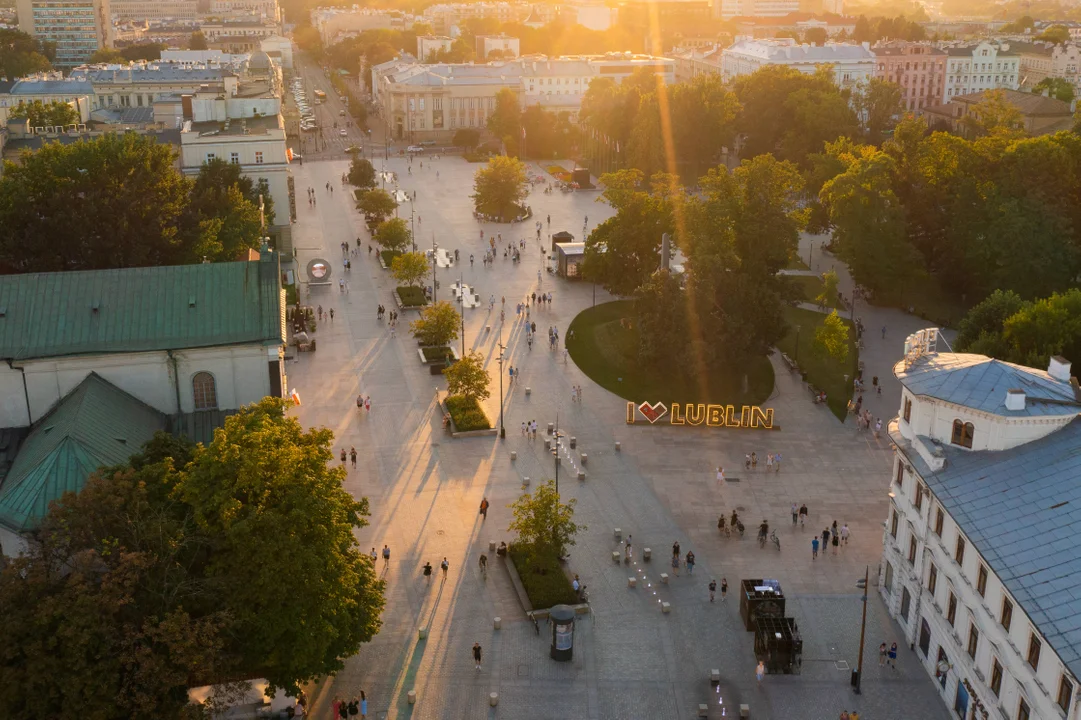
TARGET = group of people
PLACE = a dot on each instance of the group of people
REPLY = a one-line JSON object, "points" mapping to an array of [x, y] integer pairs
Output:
{"points": [[677, 559], [529, 429], [311, 195], [838, 537], [351, 708], [750, 462]]}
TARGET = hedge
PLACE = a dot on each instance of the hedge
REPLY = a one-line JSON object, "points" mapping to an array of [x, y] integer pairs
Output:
{"points": [[438, 353], [411, 296], [544, 580], [467, 414]]}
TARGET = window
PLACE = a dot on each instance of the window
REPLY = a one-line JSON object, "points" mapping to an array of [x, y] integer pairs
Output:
{"points": [[996, 676], [962, 434], [925, 637], [906, 600], [900, 479], [1007, 613], [951, 609], [1034, 646], [893, 525], [1022, 710], [932, 580], [210, 157], [204, 392], [981, 581], [258, 157], [888, 581], [918, 501], [912, 550], [959, 552], [940, 519], [234, 158], [973, 641], [1065, 693]]}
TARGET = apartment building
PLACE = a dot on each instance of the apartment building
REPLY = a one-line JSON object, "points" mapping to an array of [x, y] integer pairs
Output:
{"points": [[140, 84], [134, 10], [335, 24], [983, 66], [981, 563], [851, 64], [918, 68], [76, 93], [78, 27], [1043, 60], [508, 47], [728, 9], [444, 16]]}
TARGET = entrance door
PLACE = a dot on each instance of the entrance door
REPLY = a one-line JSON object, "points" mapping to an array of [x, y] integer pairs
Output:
{"points": [[925, 637], [960, 703]]}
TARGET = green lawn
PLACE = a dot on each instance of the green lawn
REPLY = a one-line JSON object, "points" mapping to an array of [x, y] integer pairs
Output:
{"points": [[411, 295], [607, 353], [808, 287], [821, 371]]}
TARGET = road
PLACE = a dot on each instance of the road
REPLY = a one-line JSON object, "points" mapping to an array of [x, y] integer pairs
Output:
{"points": [[328, 141]]}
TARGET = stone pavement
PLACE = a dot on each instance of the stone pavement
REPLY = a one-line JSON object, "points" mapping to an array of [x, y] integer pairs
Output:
{"points": [[631, 661]]}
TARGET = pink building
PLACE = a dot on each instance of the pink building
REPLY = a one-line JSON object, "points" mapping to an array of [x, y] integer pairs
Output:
{"points": [[919, 69]]}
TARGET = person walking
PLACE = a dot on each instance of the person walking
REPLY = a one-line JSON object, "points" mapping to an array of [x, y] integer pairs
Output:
{"points": [[363, 706], [445, 566], [777, 462], [802, 514], [844, 534], [825, 540], [343, 457], [627, 550], [675, 565], [386, 555], [760, 672], [343, 710], [836, 540], [476, 654], [893, 656], [690, 562], [353, 457], [795, 514], [769, 462], [484, 508], [675, 548], [724, 589], [882, 655], [360, 401], [354, 706], [712, 589], [814, 547]]}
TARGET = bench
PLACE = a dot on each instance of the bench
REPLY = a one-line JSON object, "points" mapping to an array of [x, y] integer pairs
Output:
{"points": [[789, 362]]}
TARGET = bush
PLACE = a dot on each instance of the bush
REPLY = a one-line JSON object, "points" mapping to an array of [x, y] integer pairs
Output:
{"points": [[467, 414], [543, 578], [437, 354], [388, 256], [411, 296], [475, 157]]}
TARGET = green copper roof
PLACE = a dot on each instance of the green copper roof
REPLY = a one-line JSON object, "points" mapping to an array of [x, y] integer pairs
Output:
{"points": [[46, 315], [96, 424]]}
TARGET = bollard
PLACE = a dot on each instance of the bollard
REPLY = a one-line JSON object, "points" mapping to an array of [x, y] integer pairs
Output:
{"points": [[547, 444], [619, 534], [491, 546], [525, 481], [411, 696], [666, 607], [585, 458], [703, 710], [497, 623], [715, 676], [646, 554], [632, 582], [528, 391], [423, 633], [581, 475], [744, 710], [493, 699], [664, 578], [487, 328], [574, 442], [616, 557], [618, 446], [551, 428], [513, 455]]}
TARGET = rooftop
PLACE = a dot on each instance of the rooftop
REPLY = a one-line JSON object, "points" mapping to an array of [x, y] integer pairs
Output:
{"points": [[1021, 509], [158, 72], [238, 126], [52, 87], [786, 49], [980, 383], [45, 315]]}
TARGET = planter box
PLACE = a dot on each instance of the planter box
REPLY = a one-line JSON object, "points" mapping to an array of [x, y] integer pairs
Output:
{"points": [[402, 306], [455, 433], [455, 357]]}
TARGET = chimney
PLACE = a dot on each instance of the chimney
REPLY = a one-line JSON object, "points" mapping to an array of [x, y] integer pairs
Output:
{"points": [[1015, 399], [1059, 368]]}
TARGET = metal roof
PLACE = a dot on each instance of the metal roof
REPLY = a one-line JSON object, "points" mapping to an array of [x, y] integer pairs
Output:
{"points": [[52, 87], [96, 424], [141, 309], [980, 383], [1021, 509]]}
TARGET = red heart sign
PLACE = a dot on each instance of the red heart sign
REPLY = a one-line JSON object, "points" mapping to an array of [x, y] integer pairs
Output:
{"points": [[653, 412]]}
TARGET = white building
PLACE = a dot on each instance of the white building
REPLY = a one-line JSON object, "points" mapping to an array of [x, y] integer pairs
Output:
{"points": [[444, 16], [980, 562], [590, 14], [135, 10], [508, 47], [335, 24], [97, 361], [1044, 60], [976, 68], [852, 64], [728, 9], [428, 44], [140, 84], [77, 93]]}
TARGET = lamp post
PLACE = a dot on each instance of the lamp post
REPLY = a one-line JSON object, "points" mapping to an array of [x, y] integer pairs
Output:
{"points": [[555, 453], [502, 430], [810, 254], [857, 677], [435, 278], [796, 359], [461, 306]]}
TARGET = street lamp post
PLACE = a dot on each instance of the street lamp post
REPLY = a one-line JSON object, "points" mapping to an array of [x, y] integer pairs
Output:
{"points": [[796, 360], [555, 453], [502, 430], [435, 278], [810, 254], [461, 306], [857, 678]]}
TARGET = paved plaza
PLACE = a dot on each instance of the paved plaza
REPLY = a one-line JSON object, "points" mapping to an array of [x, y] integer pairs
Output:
{"points": [[631, 661]]}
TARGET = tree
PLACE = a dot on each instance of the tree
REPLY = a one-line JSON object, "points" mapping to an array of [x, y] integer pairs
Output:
{"points": [[499, 188], [505, 122], [831, 338], [223, 212], [393, 234], [21, 54], [361, 173], [107, 56], [981, 330], [1058, 88], [410, 268], [468, 378], [197, 41], [376, 204], [994, 114], [263, 474], [829, 289], [879, 105], [815, 36], [663, 330], [41, 114], [466, 138], [438, 323], [1057, 34], [142, 51], [544, 524], [111, 202]]}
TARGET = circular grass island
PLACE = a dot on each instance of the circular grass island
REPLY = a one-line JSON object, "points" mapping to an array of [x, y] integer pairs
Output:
{"points": [[606, 350]]}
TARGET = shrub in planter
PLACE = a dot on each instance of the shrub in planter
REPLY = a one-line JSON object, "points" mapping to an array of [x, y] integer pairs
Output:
{"points": [[411, 296], [467, 414], [544, 581], [437, 354]]}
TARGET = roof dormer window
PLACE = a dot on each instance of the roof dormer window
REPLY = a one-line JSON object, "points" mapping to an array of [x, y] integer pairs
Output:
{"points": [[962, 434]]}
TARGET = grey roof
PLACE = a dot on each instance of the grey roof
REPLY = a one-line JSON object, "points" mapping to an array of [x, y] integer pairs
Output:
{"points": [[35, 142], [980, 383], [1021, 510], [52, 87], [166, 72]]}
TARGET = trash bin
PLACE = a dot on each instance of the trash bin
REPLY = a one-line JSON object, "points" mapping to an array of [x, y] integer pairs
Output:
{"points": [[562, 617]]}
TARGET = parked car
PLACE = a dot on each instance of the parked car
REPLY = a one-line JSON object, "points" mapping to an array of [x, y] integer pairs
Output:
{"points": [[342, 132]]}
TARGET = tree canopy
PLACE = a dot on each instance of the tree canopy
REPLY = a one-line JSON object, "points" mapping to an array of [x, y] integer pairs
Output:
{"points": [[361, 173], [468, 378], [197, 41], [1006, 327], [500, 188], [438, 324], [22, 54], [377, 204], [393, 234], [45, 114], [410, 268], [544, 523]]}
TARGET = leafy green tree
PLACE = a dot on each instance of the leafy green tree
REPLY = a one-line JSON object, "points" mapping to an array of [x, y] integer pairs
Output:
{"points": [[878, 103], [197, 41], [468, 378], [547, 134], [1046, 327], [410, 268], [21, 54], [1057, 34], [438, 323], [544, 524], [815, 36], [377, 204], [107, 55], [361, 173], [466, 138], [500, 188], [270, 501], [994, 114], [143, 51], [981, 330], [831, 338], [45, 114], [393, 234], [830, 282], [505, 122], [1020, 25], [111, 202], [223, 211], [1058, 88], [662, 314]]}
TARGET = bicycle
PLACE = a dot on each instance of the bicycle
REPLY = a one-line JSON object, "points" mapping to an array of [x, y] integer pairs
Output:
{"points": [[776, 540], [484, 567]]}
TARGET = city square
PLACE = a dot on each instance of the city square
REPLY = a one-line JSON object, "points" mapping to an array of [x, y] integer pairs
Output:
{"points": [[660, 486]]}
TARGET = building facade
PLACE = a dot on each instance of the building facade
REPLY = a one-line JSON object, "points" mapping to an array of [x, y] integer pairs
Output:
{"points": [[980, 563], [76, 93], [976, 68], [445, 16], [334, 24], [1039, 115], [851, 64], [507, 47], [140, 84], [1044, 60], [428, 44], [135, 10], [78, 27], [918, 68], [728, 9], [692, 62]]}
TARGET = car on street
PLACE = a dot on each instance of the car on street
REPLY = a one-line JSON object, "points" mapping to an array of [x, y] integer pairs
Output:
{"points": [[341, 113], [342, 132], [354, 149]]}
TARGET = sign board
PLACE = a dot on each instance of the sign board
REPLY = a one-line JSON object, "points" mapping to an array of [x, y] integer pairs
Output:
{"points": [[729, 416], [920, 343]]}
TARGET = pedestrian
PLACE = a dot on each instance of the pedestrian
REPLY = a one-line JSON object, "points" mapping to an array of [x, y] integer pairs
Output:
{"points": [[844, 534], [712, 589], [690, 562], [428, 570], [747, 462], [341, 285], [386, 555], [883, 332], [893, 656], [675, 565], [336, 706], [882, 652], [343, 457], [374, 557], [533, 428], [777, 462], [874, 381], [825, 539], [476, 654], [367, 403], [675, 548], [332, 314], [795, 514], [769, 461], [525, 429], [363, 706], [353, 457], [627, 550], [484, 507], [760, 672], [354, 706], [754, 460], [802, 514], [720, 474], [445, 566], [836, 540], [814, 547], [724, 589]]}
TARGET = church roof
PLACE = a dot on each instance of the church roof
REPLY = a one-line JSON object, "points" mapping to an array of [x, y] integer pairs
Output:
{"points": [[175, 307], [96, 424]]}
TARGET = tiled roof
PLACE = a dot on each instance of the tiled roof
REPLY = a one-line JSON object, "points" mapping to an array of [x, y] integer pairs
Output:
{"points": [[140, 309], [1021, 510], [980, 383], [95, 425]]}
